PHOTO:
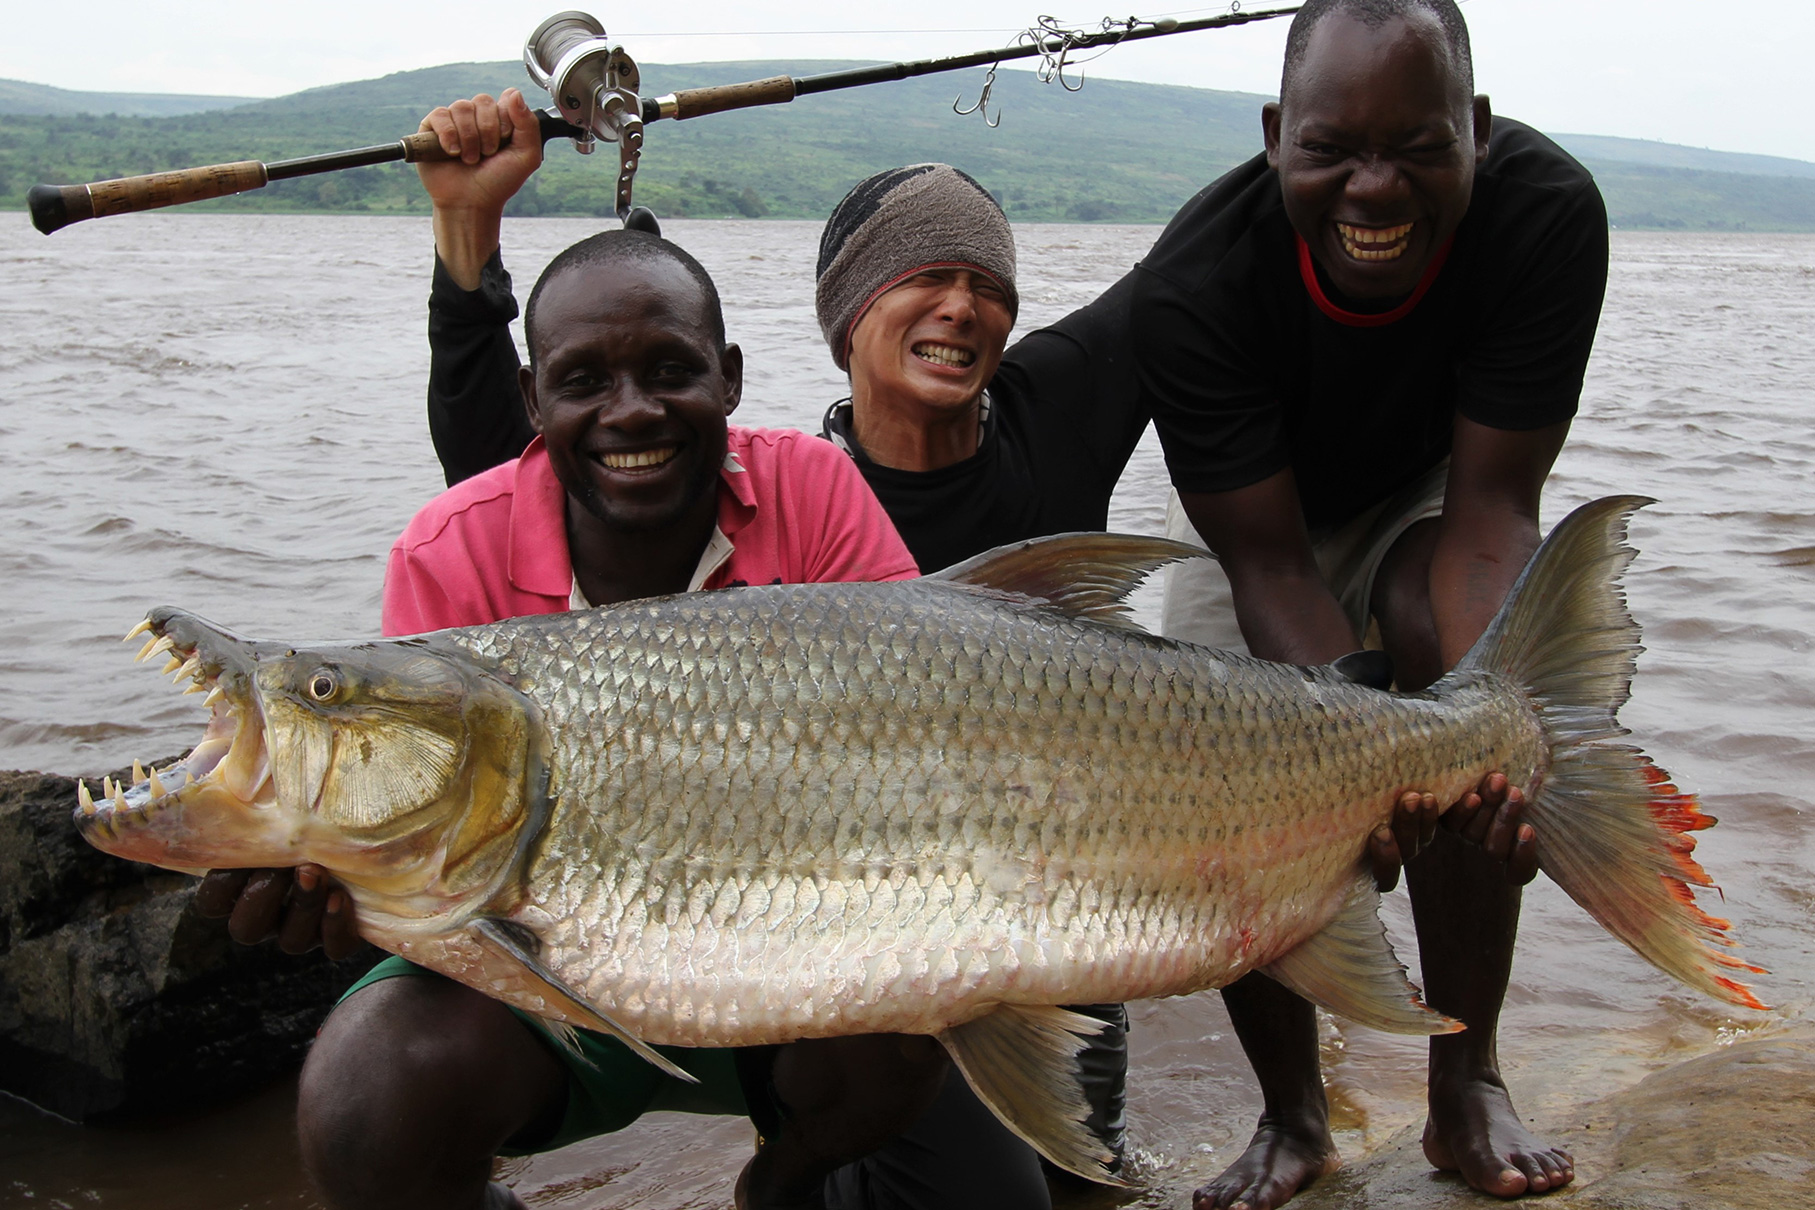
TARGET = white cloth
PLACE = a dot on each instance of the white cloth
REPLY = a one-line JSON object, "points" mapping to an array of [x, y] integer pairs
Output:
{"points": [[1199, 608]]}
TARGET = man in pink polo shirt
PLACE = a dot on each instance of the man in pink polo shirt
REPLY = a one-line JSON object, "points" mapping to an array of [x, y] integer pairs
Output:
{"points": [[635, 486]]}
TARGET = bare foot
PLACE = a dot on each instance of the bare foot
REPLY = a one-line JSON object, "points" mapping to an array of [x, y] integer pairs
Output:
{"points": [[1277, 1164], [1473, 1129]]}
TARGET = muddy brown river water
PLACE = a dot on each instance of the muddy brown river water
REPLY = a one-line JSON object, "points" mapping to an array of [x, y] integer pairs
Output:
{"points": [[225, 413]]}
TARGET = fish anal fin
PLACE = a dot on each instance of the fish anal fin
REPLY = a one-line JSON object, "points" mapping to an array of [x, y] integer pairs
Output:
{"points": [[1022, 1062], [1350, 968], [502, 940], [1085, 575]]}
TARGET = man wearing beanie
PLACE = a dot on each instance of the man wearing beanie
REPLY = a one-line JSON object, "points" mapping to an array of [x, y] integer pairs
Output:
{"points": [[967, 446]]}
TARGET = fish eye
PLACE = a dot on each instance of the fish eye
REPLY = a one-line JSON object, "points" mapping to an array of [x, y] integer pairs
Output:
{"points": [[323, 685]]}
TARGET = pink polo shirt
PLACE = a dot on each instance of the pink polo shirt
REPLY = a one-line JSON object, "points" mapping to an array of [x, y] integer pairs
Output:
{"points": [[793, 508]]}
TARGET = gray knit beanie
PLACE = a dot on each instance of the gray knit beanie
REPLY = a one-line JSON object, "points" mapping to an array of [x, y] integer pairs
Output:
{"points": [[900, 221]]}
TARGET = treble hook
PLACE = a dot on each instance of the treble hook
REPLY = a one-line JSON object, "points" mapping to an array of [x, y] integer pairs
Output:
{"points": [[982, 105]]}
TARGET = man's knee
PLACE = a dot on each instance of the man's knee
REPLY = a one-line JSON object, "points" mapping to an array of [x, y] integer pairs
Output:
{"points": [[417, 1075]]}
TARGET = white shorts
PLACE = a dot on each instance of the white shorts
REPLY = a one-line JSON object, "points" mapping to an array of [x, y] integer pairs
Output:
{"points": [[1199, 608]]}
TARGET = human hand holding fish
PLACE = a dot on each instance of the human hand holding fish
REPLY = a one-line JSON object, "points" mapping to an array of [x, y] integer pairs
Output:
{"points": [[302, 908]]}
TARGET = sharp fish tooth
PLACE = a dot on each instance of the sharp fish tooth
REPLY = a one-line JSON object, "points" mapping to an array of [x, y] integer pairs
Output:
{"points": [[136, 631], [119, 798], [215, 694], [160, 644], [157, 787], [171, 665], [190, 666], [145, 651], [195, 687], [138, 773], [107, 787], [83, 796]]}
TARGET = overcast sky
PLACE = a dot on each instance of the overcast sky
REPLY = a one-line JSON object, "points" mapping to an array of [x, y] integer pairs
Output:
{"points": [[1717, 75]]}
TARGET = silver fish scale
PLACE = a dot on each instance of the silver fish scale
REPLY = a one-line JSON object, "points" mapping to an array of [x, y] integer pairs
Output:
{"points": [[853, 808]]}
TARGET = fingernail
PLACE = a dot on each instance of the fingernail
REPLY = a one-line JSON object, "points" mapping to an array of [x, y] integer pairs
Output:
{"points": [[306, 877], [335, 902]]}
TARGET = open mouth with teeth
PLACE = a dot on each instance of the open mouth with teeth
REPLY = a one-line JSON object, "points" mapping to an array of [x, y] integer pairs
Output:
{"points": [[943, 354], [1374, 243], [161, 817], [638, 460]]}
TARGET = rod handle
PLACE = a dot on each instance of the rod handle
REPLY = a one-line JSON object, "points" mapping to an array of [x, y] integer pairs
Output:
{"points": [[698, 102], [57, 206]]}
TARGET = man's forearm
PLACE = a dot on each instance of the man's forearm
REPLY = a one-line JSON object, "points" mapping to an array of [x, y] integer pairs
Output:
{"points": [[464, 240], [1473, 567], [1290, 617]]}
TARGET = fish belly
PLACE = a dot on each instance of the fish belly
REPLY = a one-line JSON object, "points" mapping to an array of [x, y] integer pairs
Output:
{"points": [[861, 808]]}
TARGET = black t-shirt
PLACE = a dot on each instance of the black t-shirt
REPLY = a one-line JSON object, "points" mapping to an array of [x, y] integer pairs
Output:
{"points": [[1064, 414], [1247, 372]]}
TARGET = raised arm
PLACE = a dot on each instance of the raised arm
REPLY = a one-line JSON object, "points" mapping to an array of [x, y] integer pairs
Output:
{"points": [[476, 416]]}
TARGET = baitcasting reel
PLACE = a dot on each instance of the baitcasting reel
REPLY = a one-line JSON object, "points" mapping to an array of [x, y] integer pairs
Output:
{"points": [[594, 86]]}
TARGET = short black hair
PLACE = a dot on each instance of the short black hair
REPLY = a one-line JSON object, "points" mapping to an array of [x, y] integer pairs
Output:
{"points": [[614, 246], [1374, 14]]}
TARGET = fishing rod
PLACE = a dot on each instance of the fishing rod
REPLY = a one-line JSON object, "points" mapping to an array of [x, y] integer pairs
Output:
{"points": [[594, 88]]}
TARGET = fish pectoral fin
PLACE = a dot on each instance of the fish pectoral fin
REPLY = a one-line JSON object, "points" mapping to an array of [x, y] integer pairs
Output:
{"points": [[501, 940], [1022, 1062], [1350, 968], [1081, 575]]}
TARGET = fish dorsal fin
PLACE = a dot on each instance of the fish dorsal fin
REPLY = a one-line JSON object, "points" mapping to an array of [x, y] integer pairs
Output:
{"points": [[1022, 1062], [502, 940], [1350, 968], [1081, 575]]}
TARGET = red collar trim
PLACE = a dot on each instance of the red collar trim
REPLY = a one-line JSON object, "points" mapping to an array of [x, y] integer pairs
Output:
{"points": [[1307, 269]]}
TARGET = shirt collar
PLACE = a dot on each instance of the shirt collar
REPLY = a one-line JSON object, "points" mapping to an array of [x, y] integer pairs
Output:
{"points": [[839, 426], [1307, 270]]}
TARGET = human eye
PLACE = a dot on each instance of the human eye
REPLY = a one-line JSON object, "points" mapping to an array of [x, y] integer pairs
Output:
{"points": [[672, 372]]}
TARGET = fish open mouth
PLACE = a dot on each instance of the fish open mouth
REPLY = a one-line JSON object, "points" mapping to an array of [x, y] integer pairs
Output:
{"points": [[232, 757]]}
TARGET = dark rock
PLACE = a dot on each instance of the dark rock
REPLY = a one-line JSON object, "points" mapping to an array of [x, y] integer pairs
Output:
{"points": [[116, 997]]}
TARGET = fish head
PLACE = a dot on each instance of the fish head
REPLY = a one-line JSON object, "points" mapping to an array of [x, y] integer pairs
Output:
{"points": [[405, 767]]}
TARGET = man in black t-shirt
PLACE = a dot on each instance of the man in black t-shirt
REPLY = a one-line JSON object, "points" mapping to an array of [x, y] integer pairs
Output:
{"points": [[1363, 351]]}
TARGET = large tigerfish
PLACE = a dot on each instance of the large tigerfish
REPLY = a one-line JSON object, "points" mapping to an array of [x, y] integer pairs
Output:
{"points": [[939, 806]]}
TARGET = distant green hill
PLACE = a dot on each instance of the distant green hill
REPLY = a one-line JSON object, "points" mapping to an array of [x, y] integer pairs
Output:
{"points": [[1117, 151], [20, 97]]}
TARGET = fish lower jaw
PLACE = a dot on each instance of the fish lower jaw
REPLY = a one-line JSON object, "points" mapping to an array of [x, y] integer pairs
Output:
{"points": [[230, 761]]}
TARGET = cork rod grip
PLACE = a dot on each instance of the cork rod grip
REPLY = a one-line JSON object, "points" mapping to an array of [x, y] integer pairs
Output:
{"points": [[57, 206], [698, 102]]}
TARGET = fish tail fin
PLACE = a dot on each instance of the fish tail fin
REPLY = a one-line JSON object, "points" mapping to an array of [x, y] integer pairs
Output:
{"points": [[1612, 830]]}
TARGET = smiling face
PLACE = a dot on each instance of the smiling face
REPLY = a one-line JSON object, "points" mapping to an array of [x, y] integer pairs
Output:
{"points": [[630, 390], [930, 343], [1376, 143]]}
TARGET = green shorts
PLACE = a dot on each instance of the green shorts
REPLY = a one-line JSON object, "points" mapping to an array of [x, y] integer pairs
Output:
{"points": [[608, 1086]]}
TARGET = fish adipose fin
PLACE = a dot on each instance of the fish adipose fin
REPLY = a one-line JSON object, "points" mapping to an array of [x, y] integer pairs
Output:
{"points": [[1022, 1061], [1080, 575], [1350, 968], [1611, 829], [502, 940]]}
